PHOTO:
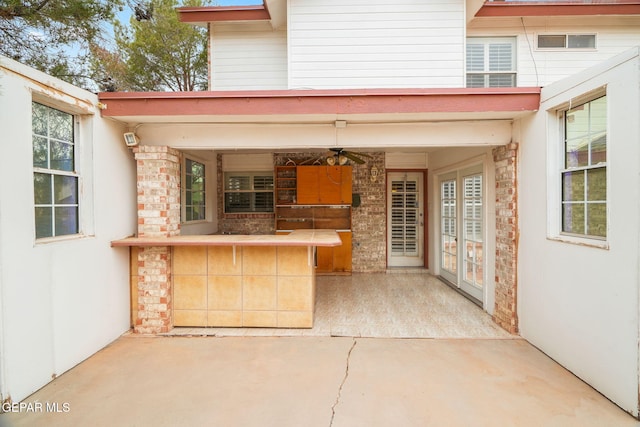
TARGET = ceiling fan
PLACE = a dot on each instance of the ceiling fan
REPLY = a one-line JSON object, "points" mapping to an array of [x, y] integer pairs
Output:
{"points": [[341, 157]]}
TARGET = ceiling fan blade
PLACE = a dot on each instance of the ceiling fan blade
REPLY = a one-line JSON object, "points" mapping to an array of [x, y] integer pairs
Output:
{"points": [[353, 158], [357, 153]]}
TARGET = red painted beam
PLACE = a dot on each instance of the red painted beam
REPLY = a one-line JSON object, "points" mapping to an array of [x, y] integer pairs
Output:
{"points": [[251, 103], [223, 13], [561, 8]]}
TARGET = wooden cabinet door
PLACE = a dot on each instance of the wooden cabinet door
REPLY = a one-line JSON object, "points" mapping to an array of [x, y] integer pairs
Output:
{"points": [[324, 259], [342, 254], [307, 186], [324, 185], [330, 185], [336, 259], [346, 185]]}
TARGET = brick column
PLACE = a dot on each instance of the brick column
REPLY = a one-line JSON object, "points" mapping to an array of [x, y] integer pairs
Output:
{"points": [[505, 312], [158, 216]]}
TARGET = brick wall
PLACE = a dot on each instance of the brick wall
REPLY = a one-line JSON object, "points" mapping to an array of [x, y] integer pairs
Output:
{"points": [[158, 191], [158, 216], [369, 219], [505, 311]]}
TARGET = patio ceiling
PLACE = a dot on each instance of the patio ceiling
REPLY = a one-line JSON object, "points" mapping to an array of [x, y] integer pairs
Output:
{"points": [[321, 106]]}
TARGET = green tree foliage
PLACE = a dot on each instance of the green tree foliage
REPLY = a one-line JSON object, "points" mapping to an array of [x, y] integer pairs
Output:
{"points": [[40, 32], [156, 54]]}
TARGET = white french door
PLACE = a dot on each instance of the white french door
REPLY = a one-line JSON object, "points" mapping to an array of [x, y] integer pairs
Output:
{"points": [[405, 219], [462, 230]]}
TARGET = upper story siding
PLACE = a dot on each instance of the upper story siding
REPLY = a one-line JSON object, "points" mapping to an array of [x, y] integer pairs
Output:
{"points": [[540, 67], [350, 44], [375, 44], [246, 57]]}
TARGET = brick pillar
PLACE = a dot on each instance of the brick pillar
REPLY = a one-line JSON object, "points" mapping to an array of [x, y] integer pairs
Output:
{"points": [[158, 216], [505, 312]]}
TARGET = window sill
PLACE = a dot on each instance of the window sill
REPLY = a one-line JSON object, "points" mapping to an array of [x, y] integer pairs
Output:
{"points": [[239, 215], [566, 49], [195, 222], [70, 237], [580, 241]]}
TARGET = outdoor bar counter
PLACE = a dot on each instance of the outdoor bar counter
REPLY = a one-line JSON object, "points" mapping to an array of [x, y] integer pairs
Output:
{"points": [[241, 280]]}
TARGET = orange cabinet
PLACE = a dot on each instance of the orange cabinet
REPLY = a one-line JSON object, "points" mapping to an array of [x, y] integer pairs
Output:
{"points": [[335, 259], [317, 197], [324, 185]]}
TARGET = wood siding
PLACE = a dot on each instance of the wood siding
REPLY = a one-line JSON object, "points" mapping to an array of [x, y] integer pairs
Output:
{"points": [[375, 43], [247, 58], [540, 67]]}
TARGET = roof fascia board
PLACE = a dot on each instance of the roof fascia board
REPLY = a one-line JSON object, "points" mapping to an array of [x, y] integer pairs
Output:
{"points": [[567, 8], [298, 102], [199, 15]]}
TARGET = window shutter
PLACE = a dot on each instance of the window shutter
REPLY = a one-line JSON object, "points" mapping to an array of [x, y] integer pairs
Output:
{"points": [[500, 57], [475, 57]]}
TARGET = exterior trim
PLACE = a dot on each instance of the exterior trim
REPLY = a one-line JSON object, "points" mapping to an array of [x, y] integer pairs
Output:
{"points": [[561, 8], [249, 103], [223, 13]]}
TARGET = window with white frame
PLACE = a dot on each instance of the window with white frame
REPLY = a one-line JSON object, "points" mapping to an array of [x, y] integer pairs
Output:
{"points": [[491, 62], [566, 41], [248, 192], [194, 185], [584, 170], [55, 177]]}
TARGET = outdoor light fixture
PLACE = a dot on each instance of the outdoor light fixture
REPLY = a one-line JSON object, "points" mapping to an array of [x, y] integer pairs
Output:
{"points": [[130, 139], [373, 173]]}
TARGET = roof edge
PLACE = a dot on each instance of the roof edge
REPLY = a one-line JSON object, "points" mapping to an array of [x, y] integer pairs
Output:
{"points": [[205, 14], [559, 8], [314, 93], [301, 102]]}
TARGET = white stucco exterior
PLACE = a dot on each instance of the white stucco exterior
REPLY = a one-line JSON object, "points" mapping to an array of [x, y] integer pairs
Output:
{"points": [[63, 300], [578, 301]]}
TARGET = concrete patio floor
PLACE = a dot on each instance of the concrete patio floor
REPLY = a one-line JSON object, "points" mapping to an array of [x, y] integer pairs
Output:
{"points": [[319, 381]]}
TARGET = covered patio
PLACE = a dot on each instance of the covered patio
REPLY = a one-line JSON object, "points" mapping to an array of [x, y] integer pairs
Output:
{"points": [[403, 303]]}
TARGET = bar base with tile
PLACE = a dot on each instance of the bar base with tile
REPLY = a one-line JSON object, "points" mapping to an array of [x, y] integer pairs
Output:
{"points": [[243, 281]]}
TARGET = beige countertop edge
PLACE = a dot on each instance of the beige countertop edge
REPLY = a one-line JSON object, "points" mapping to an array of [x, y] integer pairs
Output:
{"points": [[296, 238]]}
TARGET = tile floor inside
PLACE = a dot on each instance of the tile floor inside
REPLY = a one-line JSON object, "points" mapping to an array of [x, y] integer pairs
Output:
{"points": [[395, 305]]}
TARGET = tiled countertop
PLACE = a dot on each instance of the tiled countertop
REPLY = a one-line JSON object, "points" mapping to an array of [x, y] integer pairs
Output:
{"points": [[295, 238]]}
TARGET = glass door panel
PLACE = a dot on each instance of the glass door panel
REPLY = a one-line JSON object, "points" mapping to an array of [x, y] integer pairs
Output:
{"points": [[405, 220], [462, 230], [472, 221], [448, 230]]}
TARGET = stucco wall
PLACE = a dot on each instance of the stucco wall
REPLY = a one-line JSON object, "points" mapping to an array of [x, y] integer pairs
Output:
{"points": [[63, 300], [579, 303]]}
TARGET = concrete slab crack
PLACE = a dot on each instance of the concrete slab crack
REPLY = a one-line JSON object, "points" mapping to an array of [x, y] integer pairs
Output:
{"points": [[344, 379]]}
